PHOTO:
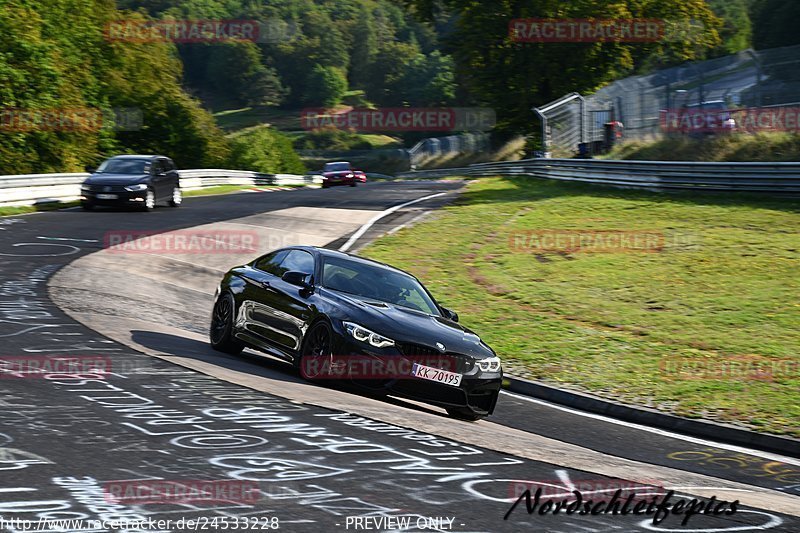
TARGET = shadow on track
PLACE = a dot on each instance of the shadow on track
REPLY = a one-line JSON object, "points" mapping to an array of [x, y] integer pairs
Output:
{"points": [[257, 364]]}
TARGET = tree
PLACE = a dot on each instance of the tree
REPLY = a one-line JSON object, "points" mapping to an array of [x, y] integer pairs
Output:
{"points": [[265, 88], [737, 31], [775, 23], [513, 77], [427, 81], [388, 70], [365, 47], [55, 57], [325, 86], [234, 71]]}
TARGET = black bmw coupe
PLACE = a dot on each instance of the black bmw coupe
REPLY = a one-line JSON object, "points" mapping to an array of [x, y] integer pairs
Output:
{"points": [[339, 316]]}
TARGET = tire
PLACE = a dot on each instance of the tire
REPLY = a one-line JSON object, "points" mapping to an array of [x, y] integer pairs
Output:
{"points": [[324, 185], [462, 413], [317, 344], [353, 184], [150, 200], [221, 331], [177, 197], [87, 206]]}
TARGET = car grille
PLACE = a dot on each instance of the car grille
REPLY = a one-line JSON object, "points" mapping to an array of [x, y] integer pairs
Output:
{"points": [[107, 188], [432, 357]]}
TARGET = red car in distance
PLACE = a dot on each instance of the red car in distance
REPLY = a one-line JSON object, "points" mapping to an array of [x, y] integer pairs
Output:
{"points": [[341, 173]]}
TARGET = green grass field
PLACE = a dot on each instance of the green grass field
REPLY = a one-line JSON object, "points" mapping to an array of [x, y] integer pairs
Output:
{"points": [[623, 324]]}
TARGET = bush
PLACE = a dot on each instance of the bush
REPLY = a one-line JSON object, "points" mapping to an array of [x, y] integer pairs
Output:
{"points": [[759, 147], [264, 150]]}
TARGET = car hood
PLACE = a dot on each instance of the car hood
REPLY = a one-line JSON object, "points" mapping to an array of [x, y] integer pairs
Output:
{"points": [[115, 179], [408, 326]]}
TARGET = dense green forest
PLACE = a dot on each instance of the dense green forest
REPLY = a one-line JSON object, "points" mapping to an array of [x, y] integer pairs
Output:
{"points": [[56, 54]]}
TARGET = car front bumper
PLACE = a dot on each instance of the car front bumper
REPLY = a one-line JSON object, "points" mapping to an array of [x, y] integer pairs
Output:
{"points": [[477, 392], [122, 198], [330, 181]]}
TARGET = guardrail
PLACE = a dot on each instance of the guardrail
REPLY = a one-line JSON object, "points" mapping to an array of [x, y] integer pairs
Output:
{"points": [[33, 189], [771, 178]]}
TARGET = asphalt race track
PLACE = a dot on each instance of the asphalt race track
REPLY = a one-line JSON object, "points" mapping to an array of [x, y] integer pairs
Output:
{"points": [[315, 458]]}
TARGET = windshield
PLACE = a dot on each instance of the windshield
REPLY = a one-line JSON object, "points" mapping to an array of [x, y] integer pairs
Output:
{"points": [[376, 283], [336, 167], [125, 166]]}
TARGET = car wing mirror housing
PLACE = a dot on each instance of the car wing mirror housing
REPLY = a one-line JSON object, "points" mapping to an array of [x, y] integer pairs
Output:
{"points": [[449, 314], [300, 279]]}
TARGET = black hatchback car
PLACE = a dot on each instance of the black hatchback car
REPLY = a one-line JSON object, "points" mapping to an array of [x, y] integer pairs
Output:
{"points": [[339, 316], [140, 181]]}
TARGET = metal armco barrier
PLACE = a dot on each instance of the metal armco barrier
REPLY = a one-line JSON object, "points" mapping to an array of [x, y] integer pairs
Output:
{"points": [[770, 178], [32, 189]]}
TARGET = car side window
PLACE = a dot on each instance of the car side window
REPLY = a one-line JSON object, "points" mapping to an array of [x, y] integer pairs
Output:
{"points": [[298, 261], [158, 167], [270, 262], [169, 165]]}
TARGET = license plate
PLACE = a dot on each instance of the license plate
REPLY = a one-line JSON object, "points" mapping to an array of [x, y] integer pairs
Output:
{"points": [[434, 374], [106, 196]]}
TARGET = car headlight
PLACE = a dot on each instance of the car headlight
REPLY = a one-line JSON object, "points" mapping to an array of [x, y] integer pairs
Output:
{"points": [[362, 334], [85, 187], [137, 187], [349, 176], [491, 364]]}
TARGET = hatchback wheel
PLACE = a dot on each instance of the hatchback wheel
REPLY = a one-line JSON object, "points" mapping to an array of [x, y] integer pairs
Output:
{"points": [[149, 200], [177, 197]]}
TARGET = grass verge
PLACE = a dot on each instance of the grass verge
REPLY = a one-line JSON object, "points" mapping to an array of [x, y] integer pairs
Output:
{"points": [[692, 330], [759, 147], [219, 189], [21, 210], [225, 189]]}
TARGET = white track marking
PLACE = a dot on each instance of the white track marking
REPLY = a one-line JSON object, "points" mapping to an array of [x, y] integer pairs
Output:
{"points": [[363, 229], [74, 250], [662, 432], [66, 239]]}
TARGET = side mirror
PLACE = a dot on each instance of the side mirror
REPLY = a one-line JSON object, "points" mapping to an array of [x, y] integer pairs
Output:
{"points": [[90, 169], [448, 314], [294, 277]]}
